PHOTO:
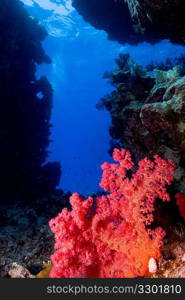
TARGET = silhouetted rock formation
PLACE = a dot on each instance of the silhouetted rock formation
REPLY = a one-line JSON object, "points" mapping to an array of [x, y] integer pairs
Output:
{"points": [[133, 21], [25, 105], [111, 16], [160, 19]]}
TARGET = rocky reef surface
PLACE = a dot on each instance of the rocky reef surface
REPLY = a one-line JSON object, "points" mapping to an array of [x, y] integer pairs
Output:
{"points": [[148, 113], [25, 174], [134, 21], [26, 241]]}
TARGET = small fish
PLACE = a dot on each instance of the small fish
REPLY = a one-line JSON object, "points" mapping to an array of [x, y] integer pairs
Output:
{"points": [[46, 270]]}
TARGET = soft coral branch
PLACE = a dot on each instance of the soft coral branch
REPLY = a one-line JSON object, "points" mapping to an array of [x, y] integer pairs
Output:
{"points": [[109, 236], [180, 200]]}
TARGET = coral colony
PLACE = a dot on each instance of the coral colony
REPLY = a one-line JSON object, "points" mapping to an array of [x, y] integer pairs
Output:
{"points": [[102, 237], [134, 226]]}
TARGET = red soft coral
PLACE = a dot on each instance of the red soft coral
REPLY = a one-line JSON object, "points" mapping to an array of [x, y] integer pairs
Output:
{"points": [[181, 204], [109, 236]]}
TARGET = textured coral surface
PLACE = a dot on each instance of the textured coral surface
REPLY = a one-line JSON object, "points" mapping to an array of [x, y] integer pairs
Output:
{"points": [[111, 235], [148, 113], [181, 204]]}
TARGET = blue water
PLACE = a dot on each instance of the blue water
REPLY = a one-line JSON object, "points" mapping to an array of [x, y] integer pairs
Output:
{"points": [[80, 55]]}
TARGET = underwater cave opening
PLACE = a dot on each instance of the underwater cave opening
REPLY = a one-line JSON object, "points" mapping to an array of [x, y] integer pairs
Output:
{"points": [[80, 55]]}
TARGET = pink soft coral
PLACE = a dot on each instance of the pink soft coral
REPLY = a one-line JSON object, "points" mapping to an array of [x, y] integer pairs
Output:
{"points": [[109, 236]]}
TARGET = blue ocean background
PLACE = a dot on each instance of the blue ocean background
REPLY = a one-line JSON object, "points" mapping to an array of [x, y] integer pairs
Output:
{"points": [[80, 55]]}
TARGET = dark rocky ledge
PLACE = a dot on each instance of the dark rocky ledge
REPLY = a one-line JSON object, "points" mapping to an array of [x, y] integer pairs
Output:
{"points": [[134, 21]]}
